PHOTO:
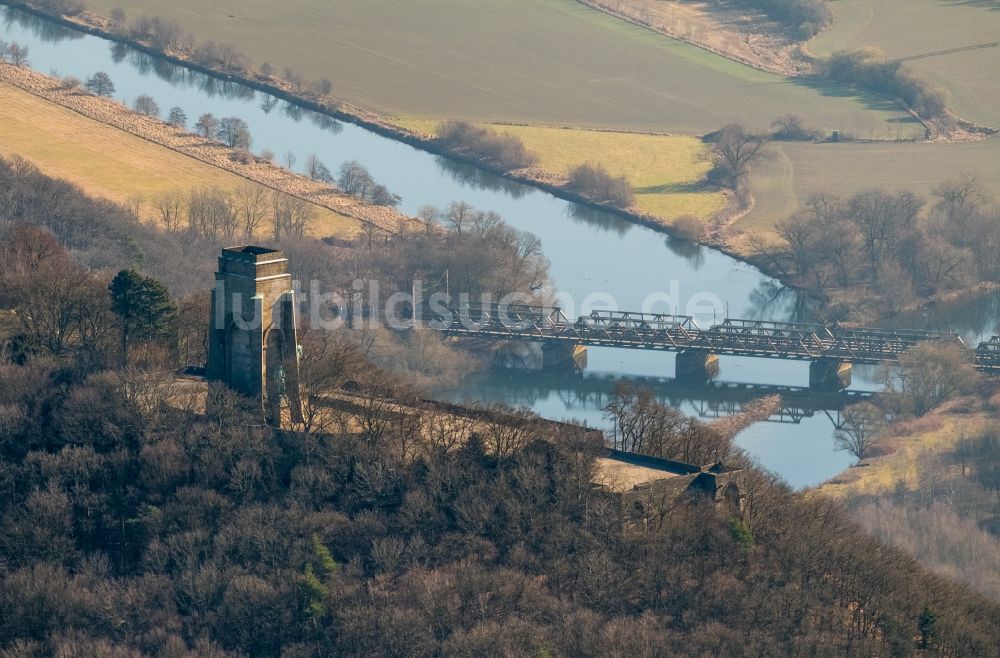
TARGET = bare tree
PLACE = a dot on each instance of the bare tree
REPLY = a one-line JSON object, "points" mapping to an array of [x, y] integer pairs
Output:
{"points": [[211, 214], [291, 215], [735, 151], [146, 106], [170, 206], [293, 79], [506, 431], [17, 54], [430, 216], [928, 375], [235, 133], [316, 170], [328, 360], [251, 206], [458, 216], [862, 428], [324, 87], [207, 126], [354, 179]]}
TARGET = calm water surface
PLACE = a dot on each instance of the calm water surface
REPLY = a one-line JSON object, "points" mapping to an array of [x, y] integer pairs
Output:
{"points": [[590, 252]]}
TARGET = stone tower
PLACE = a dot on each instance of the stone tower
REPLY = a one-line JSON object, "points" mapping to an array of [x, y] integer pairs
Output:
{"points": [[253, 338]]}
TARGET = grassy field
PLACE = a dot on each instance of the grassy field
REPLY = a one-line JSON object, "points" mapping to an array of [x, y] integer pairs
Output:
{"points": [[953, 43], [549, 62], [797, 170], [664, 170], [111, 163], [884, 474]]}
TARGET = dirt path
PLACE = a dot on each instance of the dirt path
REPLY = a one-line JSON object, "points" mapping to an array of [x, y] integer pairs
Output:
{"points": [[112, 113]]}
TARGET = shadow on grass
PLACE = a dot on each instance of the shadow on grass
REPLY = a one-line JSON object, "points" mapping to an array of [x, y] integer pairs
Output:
{"points": [[677, 188], [992, 5], [868, 99]]}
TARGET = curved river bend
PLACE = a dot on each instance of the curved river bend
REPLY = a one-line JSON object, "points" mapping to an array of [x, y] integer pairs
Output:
{"points": [[590, 252]]}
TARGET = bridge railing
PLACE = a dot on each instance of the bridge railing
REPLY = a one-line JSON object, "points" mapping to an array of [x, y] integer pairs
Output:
{"points": [[677, 332], [988, 354], [500, 318], [651, 328]]}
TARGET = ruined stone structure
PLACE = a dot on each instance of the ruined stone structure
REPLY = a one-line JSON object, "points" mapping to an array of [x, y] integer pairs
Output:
{"points": [[253, 344]]}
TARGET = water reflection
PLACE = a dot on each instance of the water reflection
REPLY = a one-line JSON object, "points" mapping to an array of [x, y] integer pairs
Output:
{"points": [[325, 122], [479, 179], [599, 219], [292, 111], [692, 252], [771, 299], [976, 319], [590, 251], [44, 30], [584, 393], [268, 104]]}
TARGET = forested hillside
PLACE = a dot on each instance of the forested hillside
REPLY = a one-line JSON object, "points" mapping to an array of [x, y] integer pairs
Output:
{"points": [[133, 523]]}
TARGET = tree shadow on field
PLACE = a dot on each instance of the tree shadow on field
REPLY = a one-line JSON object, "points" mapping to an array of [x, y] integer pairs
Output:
{"points": [[992, 5], [869, 100], [676, 188]]}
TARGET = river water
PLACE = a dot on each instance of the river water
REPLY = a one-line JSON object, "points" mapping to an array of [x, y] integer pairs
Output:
{"points": [[594, 256]]}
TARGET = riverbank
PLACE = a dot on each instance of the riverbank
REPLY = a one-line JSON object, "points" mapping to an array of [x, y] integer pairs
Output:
{"points": [[721, 239], [215, 154], [548, 181], [907, 444], [752, 39]]}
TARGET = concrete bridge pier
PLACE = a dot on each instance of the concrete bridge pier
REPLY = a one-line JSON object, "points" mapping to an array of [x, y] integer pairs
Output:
{"points": [[697, 366], [829, 375], [560, 355]]}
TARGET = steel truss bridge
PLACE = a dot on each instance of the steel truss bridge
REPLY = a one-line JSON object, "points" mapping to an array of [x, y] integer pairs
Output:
{"points": [[672, 333]]}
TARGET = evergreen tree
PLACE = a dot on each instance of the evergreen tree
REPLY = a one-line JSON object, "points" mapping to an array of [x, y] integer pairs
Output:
{"points": [[926, 626], [143, 306], [100, 84], [177, 117]]}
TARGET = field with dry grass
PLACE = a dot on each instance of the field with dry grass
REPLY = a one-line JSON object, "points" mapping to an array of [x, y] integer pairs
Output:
{"points": [[551, 62], [954, 44], [666, 172], [796, 170], [114, 164], [898, 467]]}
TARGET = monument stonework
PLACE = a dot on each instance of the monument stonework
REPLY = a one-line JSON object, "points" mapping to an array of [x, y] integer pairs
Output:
{"points": [[253, 343]]}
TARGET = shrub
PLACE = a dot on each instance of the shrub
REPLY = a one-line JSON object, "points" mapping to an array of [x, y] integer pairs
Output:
{"points": [[689, 227], [71, 83], [505, 151], [792, 128], [807, 16], [868, 68], [593, 181], [242, 156]]}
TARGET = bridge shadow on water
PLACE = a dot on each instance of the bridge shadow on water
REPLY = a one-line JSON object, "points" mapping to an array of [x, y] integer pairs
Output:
{"points": [[580, 392]]}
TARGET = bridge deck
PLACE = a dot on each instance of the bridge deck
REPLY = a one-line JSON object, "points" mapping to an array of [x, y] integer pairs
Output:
{"points": [[672, 333]]}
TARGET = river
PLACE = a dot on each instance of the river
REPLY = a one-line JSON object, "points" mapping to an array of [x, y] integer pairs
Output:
{"points": [[593, 255]]}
